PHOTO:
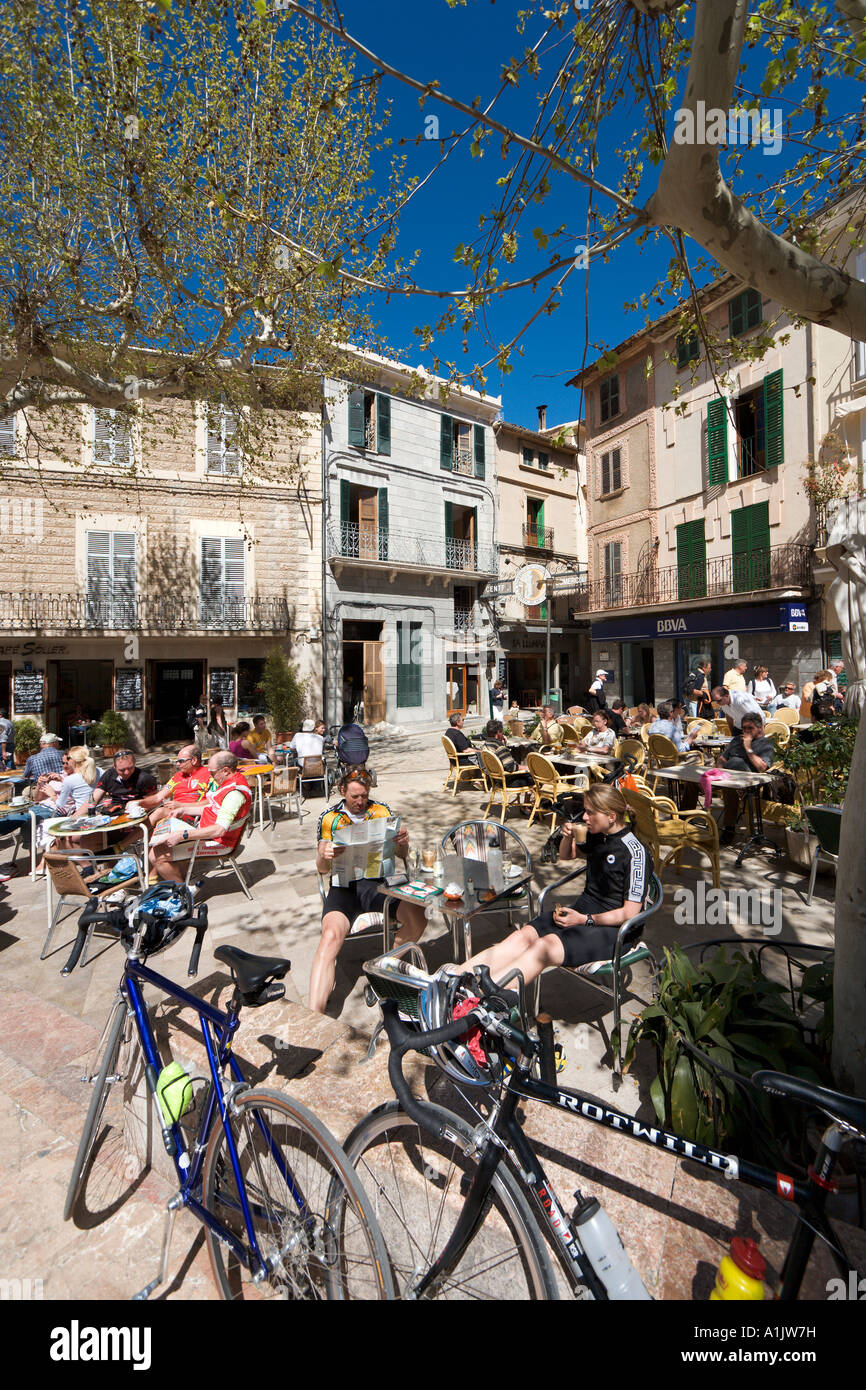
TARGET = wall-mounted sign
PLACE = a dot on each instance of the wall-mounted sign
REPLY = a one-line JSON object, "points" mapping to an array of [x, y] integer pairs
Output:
{"points": [[34, 649], [794, 617], [28, 692], [530, 584], [705, 622], [129, 688]]}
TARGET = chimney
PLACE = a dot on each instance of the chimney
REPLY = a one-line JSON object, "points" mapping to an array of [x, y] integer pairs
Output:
{"points": [[542, 417]]}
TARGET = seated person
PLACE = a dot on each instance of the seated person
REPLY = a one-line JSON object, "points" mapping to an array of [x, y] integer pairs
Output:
{"points": [[465, 752], [343, 905], [601, 737], [670, 725], [494, 736], [240, 745], [748, 751], [260, 739], [618, 872], [120, 783], [45, 765], [187, 787], [789, 698], [641, 716], [80, 773], [617, 717], [221, 816], [546, 729], [308, 743]]}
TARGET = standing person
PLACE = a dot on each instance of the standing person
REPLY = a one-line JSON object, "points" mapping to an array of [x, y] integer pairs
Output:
{"points": [[497, 700], [595, 698], [342, 906], [218, 725], [7, 741], [823, 704], [696, 690], [763, 689], [735, 679], [618, 873], [206, 742], [837, 670], [733, 704], [224, 813]]}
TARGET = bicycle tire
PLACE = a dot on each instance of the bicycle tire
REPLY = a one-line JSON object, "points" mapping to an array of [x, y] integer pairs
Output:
{"points": [[344, 1256], [101, 1089], [417, 1184]]}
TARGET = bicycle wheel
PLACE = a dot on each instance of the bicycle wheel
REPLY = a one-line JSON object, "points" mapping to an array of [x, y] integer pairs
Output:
{"points": [[312, 1220], [417, 1184], [119, 1033]]}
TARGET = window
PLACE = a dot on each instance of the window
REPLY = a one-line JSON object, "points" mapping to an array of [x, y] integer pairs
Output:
{"points": [[223, 581], [409, 665], [528, 458], [8, 436], [611, 471], [608, 395], [758, 420], [370, 421], [535, 533], [461, 533], [464, 600], [745, 311], [223, 454], [613, 573], [688, 348], [461, 447], [717, 441], [860, 348], [750, 548], [112, 438], [543, 461], [111, 578], [691, 560], [363, 521]]}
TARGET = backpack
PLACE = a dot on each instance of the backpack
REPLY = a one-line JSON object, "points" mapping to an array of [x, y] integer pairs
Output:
{"points": [[352, 745], [823, 705]]}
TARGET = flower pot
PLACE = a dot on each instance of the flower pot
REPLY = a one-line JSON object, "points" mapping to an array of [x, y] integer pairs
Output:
{"points": [[109, 749], [799, 848], [20, 758]]}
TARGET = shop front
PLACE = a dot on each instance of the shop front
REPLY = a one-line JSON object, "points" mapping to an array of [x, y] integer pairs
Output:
{"points": [[525, 655]]}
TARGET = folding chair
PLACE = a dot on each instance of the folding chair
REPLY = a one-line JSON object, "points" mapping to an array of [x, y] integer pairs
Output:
{"points": [[627, 952], [313, 770], [67, 880], [206, 859], [826, 821], [284, 787]]}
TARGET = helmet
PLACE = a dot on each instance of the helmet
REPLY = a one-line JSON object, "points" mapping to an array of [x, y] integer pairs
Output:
{"points": [[166, 909], [464, 1059]]}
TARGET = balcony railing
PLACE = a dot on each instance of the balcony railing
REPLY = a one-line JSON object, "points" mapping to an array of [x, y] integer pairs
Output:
{"points": [[538, 537], [28, 612], [778, 567], [408, 549], [463, 462], [462, 619]]}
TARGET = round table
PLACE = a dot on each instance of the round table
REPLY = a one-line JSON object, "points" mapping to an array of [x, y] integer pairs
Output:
{"points": [[120, 821], [258, 771]]}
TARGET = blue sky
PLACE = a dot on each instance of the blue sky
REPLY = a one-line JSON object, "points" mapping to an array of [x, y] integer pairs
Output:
{"points": [[465, 49]]}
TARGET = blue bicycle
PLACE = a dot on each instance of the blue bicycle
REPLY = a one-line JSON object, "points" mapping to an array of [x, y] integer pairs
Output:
{"points": [[284, 1213]]}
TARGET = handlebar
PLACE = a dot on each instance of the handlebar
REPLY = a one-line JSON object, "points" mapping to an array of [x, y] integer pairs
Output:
{"points": [[403, 1041]]}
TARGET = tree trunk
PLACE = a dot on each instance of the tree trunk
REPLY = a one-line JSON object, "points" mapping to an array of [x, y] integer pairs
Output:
{"points": [[849, 990]]}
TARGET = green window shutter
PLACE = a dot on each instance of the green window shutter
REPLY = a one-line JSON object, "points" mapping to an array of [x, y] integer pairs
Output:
{"points": [[717, 441], [449, 536], [383, 523], [356, 419], [774, 420], [539, 525], [691, 560], [383, 424], [475, 538], [745, 311], [345, 518], [750, 547], [479, 451], [446, 441], [408, 667], [740, 549], [736, 317]]}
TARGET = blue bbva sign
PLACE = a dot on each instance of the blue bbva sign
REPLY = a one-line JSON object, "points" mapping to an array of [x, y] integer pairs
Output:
{"points": [[793, 617], [709, 622]]}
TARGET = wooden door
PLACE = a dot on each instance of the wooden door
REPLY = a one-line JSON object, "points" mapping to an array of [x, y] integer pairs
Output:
{"points": [[455, 687], [368, 523], [374, 683]]}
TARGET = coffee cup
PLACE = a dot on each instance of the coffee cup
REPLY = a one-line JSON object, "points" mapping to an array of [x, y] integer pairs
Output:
{"points": [[428, 858], [581, 830], [133, 808]]}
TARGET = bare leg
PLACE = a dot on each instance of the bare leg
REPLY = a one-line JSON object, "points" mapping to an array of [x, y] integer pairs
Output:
{"points": [[160, 858], [525, 951], [335, 929], [413, 922]]}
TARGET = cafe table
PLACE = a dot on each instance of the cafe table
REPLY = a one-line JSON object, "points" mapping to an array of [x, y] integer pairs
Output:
{"points": [[258, 771], [15, 778], [458, 912], [748, 782]]}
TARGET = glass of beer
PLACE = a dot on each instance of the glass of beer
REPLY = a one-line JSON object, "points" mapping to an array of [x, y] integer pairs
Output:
{"points": [[428, 858], [580, 830]]}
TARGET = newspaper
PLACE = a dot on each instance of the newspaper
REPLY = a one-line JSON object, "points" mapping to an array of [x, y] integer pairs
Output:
{"points": [[369, 850]]}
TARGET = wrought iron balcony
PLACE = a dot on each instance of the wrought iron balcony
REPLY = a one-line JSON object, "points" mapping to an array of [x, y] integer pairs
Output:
{"points": [[462, 619], [538, 537], [407, 550], [29, 612], [463, 462], [778, 567]]}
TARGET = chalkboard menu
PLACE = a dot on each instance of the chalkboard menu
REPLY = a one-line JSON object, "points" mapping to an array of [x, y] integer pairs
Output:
{"points": [[222, 685], [28, 692], [128, 688]]}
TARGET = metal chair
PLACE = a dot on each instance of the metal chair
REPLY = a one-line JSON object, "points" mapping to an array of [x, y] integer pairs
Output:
{"points": [[284, 787], [626, 953], [228, 860], [65, 877], [826, 821], [472, 840], [313, 770]]}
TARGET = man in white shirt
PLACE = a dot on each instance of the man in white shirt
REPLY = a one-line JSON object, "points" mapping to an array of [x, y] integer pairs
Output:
{"points": [[733, 704], [735, 679], [836, 669], [307, 744], [790, 699]]}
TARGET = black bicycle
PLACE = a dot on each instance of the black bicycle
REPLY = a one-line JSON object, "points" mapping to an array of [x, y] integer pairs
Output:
{"points": [[464, 1209]]}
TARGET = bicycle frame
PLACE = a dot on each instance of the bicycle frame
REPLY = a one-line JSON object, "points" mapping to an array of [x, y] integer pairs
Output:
{"points": [[218, 1029]]}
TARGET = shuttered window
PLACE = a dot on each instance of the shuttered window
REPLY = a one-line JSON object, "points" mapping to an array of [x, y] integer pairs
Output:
{"points": [[774, 420], [717, 441], [409, 667], [223, 584], [8, 437], [611, 471], [750, 547], [111, 578], [688, 348], [112, 438], [369, 421], [528, 458], [446, 442], [223, 455], [479, 466], [691, 560], [608, 396], [745, 311], [543, 461], [613, 572], [383, 424]]}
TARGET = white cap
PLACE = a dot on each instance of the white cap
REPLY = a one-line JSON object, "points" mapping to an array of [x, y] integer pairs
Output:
{"points": [[50, 738], [308, 726], [601, 675]]}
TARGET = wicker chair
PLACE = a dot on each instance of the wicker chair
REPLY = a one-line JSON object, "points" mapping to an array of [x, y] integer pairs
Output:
{"points": [[779, 731], [787, 716], [706, 727], [500, 785], [469, 772], [570, 736], [659, 823], [548, 783], [631, 748]]}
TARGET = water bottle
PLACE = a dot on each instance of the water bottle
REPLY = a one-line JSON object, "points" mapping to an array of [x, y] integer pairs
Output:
{"points": [[439, 868], [605, 1252], [740, 1274]]}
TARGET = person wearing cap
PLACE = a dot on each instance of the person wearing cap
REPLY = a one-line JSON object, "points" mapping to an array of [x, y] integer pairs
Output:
{"points": [[308, 743], [47, 763], [595, 695], [204, 738]]}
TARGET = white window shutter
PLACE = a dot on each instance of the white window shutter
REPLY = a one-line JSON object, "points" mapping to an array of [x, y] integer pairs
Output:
{"points": [[103, 436], [8, 435]]}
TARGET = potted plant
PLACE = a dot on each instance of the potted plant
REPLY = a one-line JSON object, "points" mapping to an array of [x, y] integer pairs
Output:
{"points": [[27, 735], [112, 733], [285, 694], [797, 838], [821, 765]]}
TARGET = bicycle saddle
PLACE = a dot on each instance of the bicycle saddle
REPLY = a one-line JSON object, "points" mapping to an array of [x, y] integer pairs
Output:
{"points": [[252, 972], [848, 1109]]}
